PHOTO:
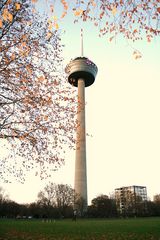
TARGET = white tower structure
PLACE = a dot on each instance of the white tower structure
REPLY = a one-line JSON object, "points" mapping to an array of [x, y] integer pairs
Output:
{"points": [[81, 73]]}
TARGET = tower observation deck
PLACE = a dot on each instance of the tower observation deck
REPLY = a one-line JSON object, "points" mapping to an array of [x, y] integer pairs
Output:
{"points": [[81, 67], [81, 73]]}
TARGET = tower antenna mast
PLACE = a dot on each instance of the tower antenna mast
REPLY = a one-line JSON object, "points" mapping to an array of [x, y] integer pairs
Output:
{"points": [[81, 42]]}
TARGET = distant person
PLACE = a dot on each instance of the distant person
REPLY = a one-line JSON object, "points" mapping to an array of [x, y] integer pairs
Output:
{"points": [[75, 215]]}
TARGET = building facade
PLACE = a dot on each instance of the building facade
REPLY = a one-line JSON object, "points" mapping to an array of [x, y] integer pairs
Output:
{"points": [[131, 201]]}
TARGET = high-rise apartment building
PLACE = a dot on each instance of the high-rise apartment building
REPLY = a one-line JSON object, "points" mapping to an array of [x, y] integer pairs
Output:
{"points": [[131, 201]]}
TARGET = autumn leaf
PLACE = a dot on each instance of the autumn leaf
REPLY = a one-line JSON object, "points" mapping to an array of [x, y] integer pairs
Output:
{"points": [[41, 78], [78, 12], [148, 39], [13, 56], [9, 1], [5, 14], [93, 3], [33, 10], [28, 68], [17, 74], [29, 23], [45, 117], [56, 26], [158, 10], [10, 17], [21, 137], [24, 37], [114, 10], [135, 31], [63, 14], [65, 5], [136, 54], [101, 15], [1, 23], [6, 60], [54, 18], [23, 88], [17, 6], [49, 25], [111, 38], [49, 34], [52, 8]]}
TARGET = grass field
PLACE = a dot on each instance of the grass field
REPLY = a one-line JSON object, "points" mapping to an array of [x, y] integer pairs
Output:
{"points": [[119, 229]]}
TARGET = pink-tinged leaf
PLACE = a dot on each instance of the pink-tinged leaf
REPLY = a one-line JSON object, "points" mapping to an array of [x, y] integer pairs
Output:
{"points": [[111, 38], [158, 10], [1, 23]]}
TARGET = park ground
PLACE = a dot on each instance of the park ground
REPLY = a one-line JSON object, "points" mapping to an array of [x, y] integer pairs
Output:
{"points": [[82, 229]]}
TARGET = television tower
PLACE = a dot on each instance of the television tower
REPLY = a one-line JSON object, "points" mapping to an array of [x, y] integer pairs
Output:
{"points": [[81, 73]]}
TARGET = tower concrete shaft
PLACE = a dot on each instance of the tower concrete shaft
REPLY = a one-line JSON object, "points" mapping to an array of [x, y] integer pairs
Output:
{"points": [[81, 73], [80, 164]]}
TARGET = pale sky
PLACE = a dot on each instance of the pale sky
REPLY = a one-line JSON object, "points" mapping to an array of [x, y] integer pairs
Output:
{"points": [[122, 115]]}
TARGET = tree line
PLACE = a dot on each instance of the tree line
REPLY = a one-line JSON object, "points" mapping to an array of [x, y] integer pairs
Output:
{"points": [[56, 201]]}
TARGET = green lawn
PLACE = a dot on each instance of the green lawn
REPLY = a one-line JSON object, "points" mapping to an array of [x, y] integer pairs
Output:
{"points": [[128, 229]]}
